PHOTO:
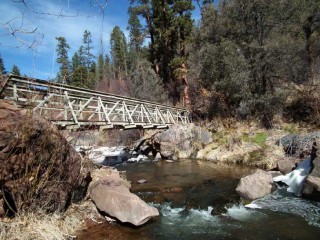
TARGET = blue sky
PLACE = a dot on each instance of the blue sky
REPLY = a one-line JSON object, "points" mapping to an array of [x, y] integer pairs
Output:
{"points": [[78, 15], [67, 18]]}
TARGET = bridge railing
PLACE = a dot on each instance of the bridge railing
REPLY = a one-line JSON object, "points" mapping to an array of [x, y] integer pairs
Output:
{"points": [[73, 107]]}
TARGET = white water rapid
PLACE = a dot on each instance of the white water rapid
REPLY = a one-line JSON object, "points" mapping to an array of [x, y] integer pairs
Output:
{"points": [[295, 179]]}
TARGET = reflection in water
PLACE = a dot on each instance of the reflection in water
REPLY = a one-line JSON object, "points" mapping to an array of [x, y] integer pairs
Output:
{"points": [[197, 200]]}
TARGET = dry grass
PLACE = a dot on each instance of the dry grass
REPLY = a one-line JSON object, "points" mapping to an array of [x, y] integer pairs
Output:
{"points": [[57, 226]]}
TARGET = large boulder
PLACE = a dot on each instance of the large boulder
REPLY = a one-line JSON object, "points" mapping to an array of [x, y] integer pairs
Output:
{"points": [[182, 141], [312, 184], [296, 145], [256, 185], [286, 165], [38, 168], [111, 195]]}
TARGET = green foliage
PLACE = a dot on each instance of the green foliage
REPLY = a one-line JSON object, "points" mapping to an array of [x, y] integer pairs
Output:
{"points": [[15, 70], [291, 128], [258, 138], [100, 68], [76, 62], [83, 66], [135, 30], [145, 84], [86, 50], [80, 77], [226, 69], [119, 51], [247, 53], [62, 58], [169, 26], [2, 68]]}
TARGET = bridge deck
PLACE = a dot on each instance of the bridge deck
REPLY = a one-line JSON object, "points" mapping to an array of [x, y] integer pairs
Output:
{"points": [[78, 108]]}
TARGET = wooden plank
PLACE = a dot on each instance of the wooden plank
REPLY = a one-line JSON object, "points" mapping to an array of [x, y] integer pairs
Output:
{"points": [[108, 126], [130, 126], [104, 111], [71, 109]]}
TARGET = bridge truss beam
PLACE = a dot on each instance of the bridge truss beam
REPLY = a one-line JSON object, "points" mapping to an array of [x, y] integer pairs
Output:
{"points": [[78, 108]]}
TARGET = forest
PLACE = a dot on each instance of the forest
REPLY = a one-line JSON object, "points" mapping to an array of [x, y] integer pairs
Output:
{"points": [[245, 60]]}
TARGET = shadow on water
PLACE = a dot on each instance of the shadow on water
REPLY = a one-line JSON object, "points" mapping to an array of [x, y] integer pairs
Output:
{"points": [[197, 200]]}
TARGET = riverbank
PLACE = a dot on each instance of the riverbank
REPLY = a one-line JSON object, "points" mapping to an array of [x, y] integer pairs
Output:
{"points": [[241, 143]]}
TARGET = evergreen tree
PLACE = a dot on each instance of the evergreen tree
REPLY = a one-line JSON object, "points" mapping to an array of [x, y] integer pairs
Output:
{"points": [[75, 62], [136, 38], [143, 80], [244, 52], [135, 31], [80, 77], [119, 51], [100, 69], [83, 65], [15, 70], [86, 49], [2, 68], [91, 82], [169, 25], [62, 59], [109, 72]]}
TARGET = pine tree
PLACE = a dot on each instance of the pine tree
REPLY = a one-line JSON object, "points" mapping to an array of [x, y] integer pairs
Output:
{"points": [[135, 30], [62, 59], [2, 68], [79, 77], [87, 49], [119, 51], [100, 69], [15, 70], [169, 25], [136, 36], [75, 62]]}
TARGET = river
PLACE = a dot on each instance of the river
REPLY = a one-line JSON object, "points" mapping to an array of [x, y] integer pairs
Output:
{"points": [[197, 200]]}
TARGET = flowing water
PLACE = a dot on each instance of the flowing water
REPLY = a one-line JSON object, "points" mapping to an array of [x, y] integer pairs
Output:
{"points": [[197, 200]]}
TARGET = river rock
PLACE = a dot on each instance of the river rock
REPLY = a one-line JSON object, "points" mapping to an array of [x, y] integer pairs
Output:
{"points": [[256, 185], [115, 199], [295, 145], [286, 165], [312, 184], [208, 153], [142, 181], [275, 173], [108, 174], [182, 141], [38, 168]]}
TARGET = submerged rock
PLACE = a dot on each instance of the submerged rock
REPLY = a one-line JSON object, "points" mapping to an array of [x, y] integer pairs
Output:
{"points": [[256, 185], [142, 181]]}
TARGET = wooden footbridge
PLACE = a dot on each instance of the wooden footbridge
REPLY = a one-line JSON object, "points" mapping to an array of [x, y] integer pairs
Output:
{"points": [[78, 108]]}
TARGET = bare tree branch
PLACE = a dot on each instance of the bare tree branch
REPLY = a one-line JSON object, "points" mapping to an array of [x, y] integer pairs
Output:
{"points": [[101, 6], [15, 28], [60, 14]]}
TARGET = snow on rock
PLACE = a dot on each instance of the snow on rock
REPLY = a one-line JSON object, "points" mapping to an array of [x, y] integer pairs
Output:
{"points": [[105, 155], [138, 159]]}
